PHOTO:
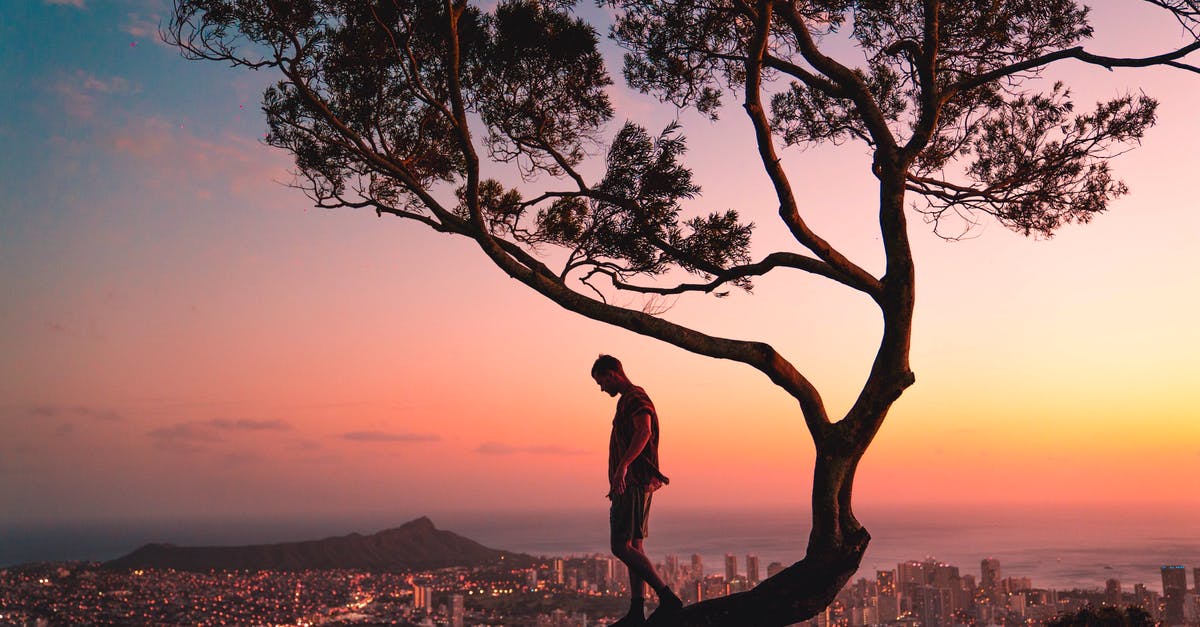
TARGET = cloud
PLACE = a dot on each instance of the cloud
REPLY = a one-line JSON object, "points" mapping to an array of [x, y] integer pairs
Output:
{"points": [[79, 92], [59, 411], [175, 157], [497, 448], [142, 26], [194, 435], [383, 436], [78, 4], [250, 425]]}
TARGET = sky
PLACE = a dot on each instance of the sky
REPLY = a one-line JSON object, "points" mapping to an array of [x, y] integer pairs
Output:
{"points": [[181, 334]]}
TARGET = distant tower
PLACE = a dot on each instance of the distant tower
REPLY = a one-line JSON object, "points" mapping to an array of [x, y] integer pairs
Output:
{"points": [[730, 566], [1146, 599], [672, 563], [457, 610], [558, 570], [989, 577], [752, 569], [1112, 592], [886, 580], [1174, 580], [423, 598], [697, 566], [774, 568]]}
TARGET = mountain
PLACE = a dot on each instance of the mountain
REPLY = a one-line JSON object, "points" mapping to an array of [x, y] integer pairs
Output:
{"points": [[415, 545]]}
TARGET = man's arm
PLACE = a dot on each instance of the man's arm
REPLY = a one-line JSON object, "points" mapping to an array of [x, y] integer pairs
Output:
{"points": [[641, 436]]}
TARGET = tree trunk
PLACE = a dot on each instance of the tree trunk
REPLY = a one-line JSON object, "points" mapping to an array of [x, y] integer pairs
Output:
{"points": [[807, 587]]}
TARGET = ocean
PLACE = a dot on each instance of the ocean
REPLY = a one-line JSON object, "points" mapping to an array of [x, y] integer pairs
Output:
{"points": [[1056, 547]]}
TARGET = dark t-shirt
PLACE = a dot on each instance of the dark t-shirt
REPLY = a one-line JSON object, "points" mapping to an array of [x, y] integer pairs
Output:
{"points": [[644, 469]]}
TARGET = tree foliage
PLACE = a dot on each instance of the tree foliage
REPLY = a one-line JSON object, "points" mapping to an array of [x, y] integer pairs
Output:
{"points": [[381, 103]]}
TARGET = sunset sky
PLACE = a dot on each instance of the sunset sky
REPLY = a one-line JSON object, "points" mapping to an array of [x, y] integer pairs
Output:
{"points": [[181, 334]]}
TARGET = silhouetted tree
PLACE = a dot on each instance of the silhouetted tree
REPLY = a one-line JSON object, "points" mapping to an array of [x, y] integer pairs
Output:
{"points": [[378, 100], [1106, 616]]}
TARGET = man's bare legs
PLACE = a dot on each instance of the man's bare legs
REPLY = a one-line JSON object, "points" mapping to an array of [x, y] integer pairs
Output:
{"points": [[641, 570]]}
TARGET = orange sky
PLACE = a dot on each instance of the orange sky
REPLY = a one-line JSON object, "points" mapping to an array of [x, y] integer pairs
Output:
{"points": [[181, 336]]}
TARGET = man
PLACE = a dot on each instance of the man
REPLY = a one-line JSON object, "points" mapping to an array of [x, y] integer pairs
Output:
{"points": [[633, 475]]}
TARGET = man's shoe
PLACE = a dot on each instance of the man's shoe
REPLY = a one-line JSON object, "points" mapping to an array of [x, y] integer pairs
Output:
{"points": [[666, 608]]}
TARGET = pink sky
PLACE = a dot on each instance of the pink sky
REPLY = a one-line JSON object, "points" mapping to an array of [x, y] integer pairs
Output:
{"points": [[183, 335]]}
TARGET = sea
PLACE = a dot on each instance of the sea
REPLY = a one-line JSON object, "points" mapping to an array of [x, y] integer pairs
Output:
{"points": [[1056, 546]]}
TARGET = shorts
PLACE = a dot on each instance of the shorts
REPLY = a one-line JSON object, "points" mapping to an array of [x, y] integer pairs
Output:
{"points": [[629, 514]]}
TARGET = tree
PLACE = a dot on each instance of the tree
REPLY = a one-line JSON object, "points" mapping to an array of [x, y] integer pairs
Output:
{"points": [[1105, 616], [379, 102]]}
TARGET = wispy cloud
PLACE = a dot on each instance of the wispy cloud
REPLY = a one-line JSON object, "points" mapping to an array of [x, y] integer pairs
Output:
{"points": [[497, 448], [78, 4], [250, 425], [384, 436], [80, 92], [82, 411], [194, 435], [175, 156], [142, 26]]}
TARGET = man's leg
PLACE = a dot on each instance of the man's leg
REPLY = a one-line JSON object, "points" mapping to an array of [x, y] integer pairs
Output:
{"points": [[637, 590], [641, 569], [621, 519]]}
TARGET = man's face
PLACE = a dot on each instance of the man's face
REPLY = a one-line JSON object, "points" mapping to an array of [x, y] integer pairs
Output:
{"points": [[607, 381]]}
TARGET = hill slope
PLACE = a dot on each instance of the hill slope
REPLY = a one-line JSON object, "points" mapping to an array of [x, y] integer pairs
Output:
{"points": [[416, 545]]}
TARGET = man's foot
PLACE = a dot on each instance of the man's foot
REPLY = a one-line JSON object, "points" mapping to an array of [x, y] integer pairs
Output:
{"points": [[668, 605]]}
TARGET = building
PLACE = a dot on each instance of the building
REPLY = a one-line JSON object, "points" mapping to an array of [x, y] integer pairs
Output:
{"points": [[422, 598], [774, 568], [731, 569], [752, 570], [1146, 599], [989, 577], [1174, 580], [711, 587], [1112, 592], [457, 610]]}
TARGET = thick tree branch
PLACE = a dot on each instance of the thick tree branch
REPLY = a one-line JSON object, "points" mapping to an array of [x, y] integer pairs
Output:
{"points": [[1170, 59], [926, 64], [770, 262], [788, 209], [872, 116]]}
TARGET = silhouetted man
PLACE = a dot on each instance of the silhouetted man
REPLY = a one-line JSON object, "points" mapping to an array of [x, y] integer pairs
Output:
{"points": [[633, 476]]}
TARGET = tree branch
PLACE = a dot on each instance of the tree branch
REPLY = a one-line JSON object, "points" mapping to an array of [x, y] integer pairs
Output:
{"points": [[770, 262], [788, 210], [1169, 59]]}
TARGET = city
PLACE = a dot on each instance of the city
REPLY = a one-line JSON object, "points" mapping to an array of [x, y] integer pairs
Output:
{"points": [[575, 591]]}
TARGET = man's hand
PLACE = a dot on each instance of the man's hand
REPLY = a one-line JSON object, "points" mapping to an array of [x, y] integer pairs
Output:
{"points": [[617, 481]]}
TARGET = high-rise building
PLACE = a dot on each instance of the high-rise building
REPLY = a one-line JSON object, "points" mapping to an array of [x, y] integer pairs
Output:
{"points": [[889, 600], [752, 570], [457, 610], [989, 577], [731, 570], [1146, 599], [886, 580], [774, 568], [558, 571], [1112, 592], [423, 598], [1174, 580], [697, 566], [672, 565]]}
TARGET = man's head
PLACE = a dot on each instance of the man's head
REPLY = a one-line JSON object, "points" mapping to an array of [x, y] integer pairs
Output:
{"points": [[609, 374]]}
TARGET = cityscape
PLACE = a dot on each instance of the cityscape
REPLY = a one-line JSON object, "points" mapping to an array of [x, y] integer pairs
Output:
{"points": [[574, 591]]}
